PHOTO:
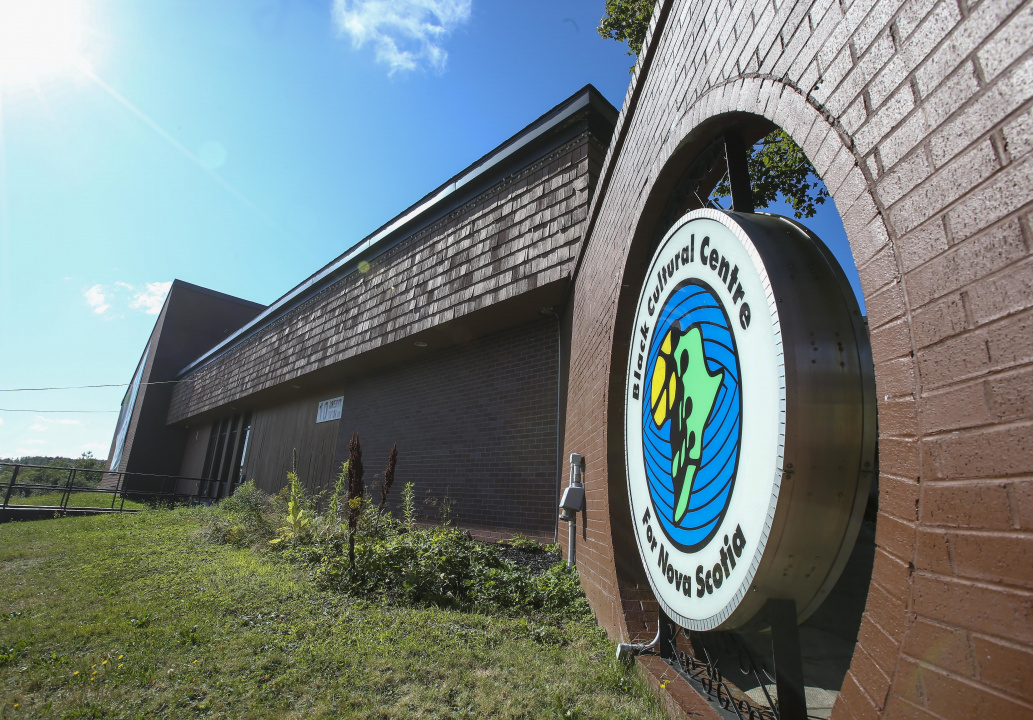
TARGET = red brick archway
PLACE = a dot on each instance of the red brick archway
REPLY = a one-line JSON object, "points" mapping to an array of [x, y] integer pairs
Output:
{"points": [[917, 118]]}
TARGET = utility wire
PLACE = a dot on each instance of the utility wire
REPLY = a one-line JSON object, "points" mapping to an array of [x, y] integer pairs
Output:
{"points": [[7, 409], [83, 387], [55, 411]]}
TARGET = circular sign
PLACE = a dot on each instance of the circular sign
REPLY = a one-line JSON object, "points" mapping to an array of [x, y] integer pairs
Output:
{"points": [[705, 414]]}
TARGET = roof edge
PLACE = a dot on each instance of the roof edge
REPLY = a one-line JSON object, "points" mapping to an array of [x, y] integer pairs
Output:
{"points": [[587, 96]]}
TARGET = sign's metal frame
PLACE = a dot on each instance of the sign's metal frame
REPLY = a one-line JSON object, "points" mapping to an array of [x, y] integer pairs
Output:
{"points": [[827, 460]]}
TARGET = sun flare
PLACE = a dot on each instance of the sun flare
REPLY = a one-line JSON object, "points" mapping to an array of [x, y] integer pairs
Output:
{"points": [[39, 38]]}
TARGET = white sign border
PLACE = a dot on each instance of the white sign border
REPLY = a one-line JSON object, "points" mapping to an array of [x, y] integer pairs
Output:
{"points": [[728, 221]]}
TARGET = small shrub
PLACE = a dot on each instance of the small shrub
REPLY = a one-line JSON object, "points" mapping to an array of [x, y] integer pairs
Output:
{"points": [[247, 502], [243, 519]]}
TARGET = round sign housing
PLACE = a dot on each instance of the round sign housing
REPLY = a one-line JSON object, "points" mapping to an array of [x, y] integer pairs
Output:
{"points": [[749, 419]]}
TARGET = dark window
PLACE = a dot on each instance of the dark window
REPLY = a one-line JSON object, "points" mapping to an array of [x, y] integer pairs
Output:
{"points": [[238, 463], [220, 446], [229, 454], [209, 455]]}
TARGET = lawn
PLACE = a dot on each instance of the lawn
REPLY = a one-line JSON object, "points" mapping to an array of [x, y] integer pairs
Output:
{"points": [[138, 616]]}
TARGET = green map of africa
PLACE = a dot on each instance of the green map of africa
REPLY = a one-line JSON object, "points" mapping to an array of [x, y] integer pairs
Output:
{"points": [[684, 391]]}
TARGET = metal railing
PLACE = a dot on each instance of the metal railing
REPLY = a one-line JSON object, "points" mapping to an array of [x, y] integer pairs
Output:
{"points": [[67, 488]]}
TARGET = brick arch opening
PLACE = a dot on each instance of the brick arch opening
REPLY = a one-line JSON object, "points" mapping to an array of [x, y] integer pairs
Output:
{"points": [[917, 117], [683, 183]]}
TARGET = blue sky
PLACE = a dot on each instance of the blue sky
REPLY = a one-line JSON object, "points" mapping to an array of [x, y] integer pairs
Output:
{"points": [[236, 145]]}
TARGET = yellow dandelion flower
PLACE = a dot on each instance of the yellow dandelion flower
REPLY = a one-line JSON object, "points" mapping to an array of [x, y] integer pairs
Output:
{"points": [[92, 679], [104, 663], [93, 666], [121, 656], [121, 664], [75, 673], [195, 662]]}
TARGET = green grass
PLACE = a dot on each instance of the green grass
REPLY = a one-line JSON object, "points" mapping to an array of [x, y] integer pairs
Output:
{"points": [[137, 616], [76, 500]]}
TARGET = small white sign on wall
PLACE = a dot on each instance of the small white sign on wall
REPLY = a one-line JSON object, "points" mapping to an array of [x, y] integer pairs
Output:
{"points": [[330, 410]]}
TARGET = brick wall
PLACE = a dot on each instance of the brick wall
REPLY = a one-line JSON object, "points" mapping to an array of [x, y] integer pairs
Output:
{"points": [[475, 424], [520, 234], [918, 117]]}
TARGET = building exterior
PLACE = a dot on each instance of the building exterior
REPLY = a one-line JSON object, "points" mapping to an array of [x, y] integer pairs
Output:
{"points": [[442, 332], [486, 329]]}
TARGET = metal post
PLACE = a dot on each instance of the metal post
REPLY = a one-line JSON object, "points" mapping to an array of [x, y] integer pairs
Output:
{"points": [[114, 493], [572, 542], [668, 636], [10, 485], [785, 646], [68, 489], [739, 173]]}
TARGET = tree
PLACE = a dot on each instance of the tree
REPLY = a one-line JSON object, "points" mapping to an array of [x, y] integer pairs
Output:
{"points": [[777, 164], [627, 21]]}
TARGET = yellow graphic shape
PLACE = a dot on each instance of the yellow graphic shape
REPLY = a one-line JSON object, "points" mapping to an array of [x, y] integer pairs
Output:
{"points": [[665, 383]]}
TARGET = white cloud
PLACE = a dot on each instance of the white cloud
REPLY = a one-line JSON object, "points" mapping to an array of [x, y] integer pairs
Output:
{"points": [[96, 299], [1, 421], [103, 297], [151, 299], [35, 441], [406, 34], [44, 423]]}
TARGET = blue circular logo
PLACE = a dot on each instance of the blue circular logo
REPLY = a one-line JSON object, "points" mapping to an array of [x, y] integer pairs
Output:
{"points": [[691, 415]]}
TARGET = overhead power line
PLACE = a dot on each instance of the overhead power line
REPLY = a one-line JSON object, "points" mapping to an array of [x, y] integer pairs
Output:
{"points": [[54, 411], [83, 387]]}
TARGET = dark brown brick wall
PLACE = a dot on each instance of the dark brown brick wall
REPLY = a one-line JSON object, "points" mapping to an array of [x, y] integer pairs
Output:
{"points": [[475, 424], [520, 234], [918, 117]]}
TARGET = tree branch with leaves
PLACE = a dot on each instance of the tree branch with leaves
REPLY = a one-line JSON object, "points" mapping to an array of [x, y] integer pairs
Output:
{"points": [[777, 165]]}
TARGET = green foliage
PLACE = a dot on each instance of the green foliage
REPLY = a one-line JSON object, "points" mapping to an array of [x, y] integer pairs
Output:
{"points": [[247, 502], [244, 519], [520, 542], [402, 563], [778, 165], [334, 510], [444, 567], [88, 475], [297, 525], [627, 21], [408, 504]]}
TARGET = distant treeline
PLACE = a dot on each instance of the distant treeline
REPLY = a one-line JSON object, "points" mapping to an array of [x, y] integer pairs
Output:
{"points": [[90, 470]]}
